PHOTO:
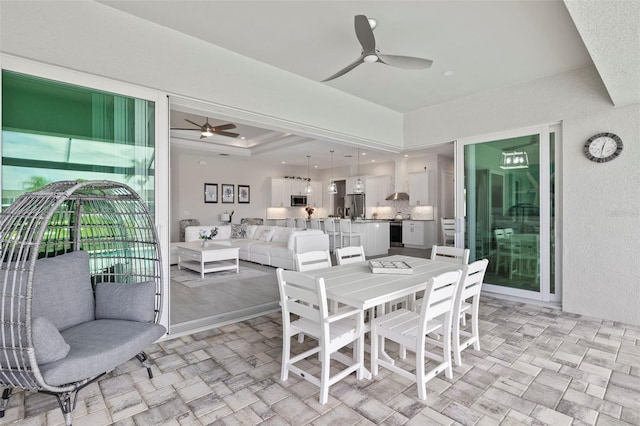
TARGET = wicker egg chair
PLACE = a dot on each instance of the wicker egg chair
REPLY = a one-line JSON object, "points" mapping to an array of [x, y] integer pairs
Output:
{"points": [[80, 287]]}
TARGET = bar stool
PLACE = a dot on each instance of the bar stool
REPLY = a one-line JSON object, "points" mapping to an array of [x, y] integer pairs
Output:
{"points": [[315, 223], [301, 223], [347, 232], [335, 238]]}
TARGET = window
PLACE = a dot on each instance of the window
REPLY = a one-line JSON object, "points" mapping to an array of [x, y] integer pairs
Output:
{"points": [[55, 131]]}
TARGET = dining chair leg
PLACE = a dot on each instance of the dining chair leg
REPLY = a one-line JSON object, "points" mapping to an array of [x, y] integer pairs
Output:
{"points": [[457, 356], [286, 354], [374, 352], [446, 343], [325, 376], [420, 374], [475, 329]]}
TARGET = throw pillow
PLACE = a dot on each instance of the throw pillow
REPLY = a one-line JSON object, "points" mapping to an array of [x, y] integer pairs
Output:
{"points": [[48, 343], [239, 231], [266, 235], [130, 302]]}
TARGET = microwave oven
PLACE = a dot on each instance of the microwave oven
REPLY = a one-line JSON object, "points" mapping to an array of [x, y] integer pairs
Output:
{"points": [[298, 200]]}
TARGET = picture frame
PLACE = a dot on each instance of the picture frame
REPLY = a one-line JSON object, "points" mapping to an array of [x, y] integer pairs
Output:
{"points": [[210, 192], [244, 194], [227, 193]]}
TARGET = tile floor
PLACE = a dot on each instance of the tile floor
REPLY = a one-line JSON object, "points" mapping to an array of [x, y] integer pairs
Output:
{"points": [[537, 366]]}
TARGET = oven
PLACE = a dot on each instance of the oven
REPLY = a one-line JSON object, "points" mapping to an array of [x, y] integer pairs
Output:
{"points": [[395, 233]]}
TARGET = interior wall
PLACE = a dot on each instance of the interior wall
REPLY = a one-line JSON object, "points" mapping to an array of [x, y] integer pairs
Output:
{"points": [[600, 203]]}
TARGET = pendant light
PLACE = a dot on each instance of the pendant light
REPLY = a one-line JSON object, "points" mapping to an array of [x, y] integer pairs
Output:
{"points": [[358, 187], [332, 188], [308, 190]]}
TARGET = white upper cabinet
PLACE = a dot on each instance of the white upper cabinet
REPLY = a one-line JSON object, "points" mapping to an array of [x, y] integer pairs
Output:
{"points": [[280, 192], [420, 191], [377, 189], [315, 200]]}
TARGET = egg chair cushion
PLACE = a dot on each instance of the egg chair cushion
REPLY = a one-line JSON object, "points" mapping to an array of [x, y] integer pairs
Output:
{"points": [[62, 291], [48, 343], [132, 302]]}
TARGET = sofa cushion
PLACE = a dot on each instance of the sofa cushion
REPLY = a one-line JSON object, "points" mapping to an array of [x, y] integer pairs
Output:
{"points": [[251, 231], [261, 248], [98, 346], [131, 302], [282, 234], [281, 251], [48, 343], [266, 235], [62, 291]]}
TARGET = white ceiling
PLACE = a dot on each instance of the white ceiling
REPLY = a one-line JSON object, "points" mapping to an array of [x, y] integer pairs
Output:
{"points": [[486, 44]]}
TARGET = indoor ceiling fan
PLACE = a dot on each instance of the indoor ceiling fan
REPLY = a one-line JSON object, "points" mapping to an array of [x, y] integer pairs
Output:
{"points": [[364, 33], [207, 129]]}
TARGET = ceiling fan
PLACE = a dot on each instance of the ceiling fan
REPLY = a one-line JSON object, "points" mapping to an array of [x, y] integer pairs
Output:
{"points": [[207, 129], [364, 33]]}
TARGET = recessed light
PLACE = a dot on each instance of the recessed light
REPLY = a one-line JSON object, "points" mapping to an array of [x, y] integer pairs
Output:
{"points": [[242, 137], [364, 153], [348, 156], [315, 167], [406, 155], [373, 161], [448, 73], [284, 162]]}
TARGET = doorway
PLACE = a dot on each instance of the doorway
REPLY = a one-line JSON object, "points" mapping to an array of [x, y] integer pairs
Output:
{"points": [[507, 203]]}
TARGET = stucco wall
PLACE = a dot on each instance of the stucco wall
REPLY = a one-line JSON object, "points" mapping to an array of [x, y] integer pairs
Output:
{"points": [[600, 241]]}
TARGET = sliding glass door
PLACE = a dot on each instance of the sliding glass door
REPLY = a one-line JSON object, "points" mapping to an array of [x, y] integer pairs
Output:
{"points": [[506, 187]]}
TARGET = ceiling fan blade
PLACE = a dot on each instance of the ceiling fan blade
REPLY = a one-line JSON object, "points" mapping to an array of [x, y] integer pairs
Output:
{"points": [[195, 124], [406, 62], [346, 69], [224, 127], [365, 34], [229, 134], [180, 128]]}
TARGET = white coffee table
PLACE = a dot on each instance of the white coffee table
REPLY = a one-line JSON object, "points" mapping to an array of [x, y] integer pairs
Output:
{"points": [[214, 258]]}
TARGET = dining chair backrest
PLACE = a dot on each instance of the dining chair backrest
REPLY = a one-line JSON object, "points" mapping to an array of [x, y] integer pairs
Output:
{"points": [[291, 222], [349, 254], [450, 254], [315, 223], [313, 260], [301, 223], [448, 230], [499, 233], [508, 232], [439, 297], [330, 225], [302, 295], [472, 279]]}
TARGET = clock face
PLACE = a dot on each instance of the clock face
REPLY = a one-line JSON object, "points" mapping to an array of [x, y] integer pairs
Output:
{"points": [[603, 147]]}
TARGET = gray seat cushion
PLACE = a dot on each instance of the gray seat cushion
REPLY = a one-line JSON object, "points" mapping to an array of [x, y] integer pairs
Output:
{"points": [[62, 291], [131, 302], [48, 344], [99, 346]]}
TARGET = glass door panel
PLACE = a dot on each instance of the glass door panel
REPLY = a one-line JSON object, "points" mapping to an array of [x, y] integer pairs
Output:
{"points": [[506, 192]]}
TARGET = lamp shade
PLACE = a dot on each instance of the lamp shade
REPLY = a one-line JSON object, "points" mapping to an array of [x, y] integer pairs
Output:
{"points": [[225, 217]]}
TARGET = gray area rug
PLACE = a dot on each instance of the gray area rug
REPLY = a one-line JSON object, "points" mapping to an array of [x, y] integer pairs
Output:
{"points": [[192, 279]]}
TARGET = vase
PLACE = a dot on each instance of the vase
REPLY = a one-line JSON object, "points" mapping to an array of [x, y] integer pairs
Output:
{"points": [[309, 218], [205, 243]]}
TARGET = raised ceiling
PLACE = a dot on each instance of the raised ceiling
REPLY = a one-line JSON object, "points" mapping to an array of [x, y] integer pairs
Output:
{"points": [[481, 45]]}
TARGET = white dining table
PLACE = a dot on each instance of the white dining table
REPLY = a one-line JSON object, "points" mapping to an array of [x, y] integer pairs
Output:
{"points": [[355, 285]]}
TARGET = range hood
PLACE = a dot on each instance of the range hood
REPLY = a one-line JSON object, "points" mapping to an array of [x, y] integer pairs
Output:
{"points": [[400, 182]]}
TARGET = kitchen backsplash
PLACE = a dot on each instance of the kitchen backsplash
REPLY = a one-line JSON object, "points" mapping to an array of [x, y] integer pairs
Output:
{"points": [[384, 212]]}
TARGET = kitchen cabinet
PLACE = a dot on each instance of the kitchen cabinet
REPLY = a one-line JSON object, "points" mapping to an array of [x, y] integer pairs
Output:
{"points": [[421, 192], [377, 190], [375, 237], [418, 233], [315, 200], [280, 192], [350, 182]]}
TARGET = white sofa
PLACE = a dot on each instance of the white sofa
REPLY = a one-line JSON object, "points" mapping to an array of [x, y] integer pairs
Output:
{"points": [[268, 245]]}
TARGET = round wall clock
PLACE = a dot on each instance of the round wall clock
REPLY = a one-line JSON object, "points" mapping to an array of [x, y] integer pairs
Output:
{"points": [[603, 147]]}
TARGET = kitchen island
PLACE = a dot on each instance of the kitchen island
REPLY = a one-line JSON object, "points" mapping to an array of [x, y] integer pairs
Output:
{"points": [[375, 236]]}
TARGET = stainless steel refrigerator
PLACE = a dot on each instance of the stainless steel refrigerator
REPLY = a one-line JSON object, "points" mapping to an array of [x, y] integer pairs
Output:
{"points": [[354, 205]]}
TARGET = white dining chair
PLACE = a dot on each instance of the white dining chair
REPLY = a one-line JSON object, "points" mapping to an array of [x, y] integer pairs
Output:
{"points": [[313, 260], [350, 254], [301, 223], [304, 310], [469, 288], [333, 232], [450, 254], [346, 232], [448, 231], [410, 330]]}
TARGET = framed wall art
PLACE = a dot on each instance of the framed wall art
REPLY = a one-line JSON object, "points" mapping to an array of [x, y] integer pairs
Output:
{"points": [[210, 192], [227, 193], [244, 194]]}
